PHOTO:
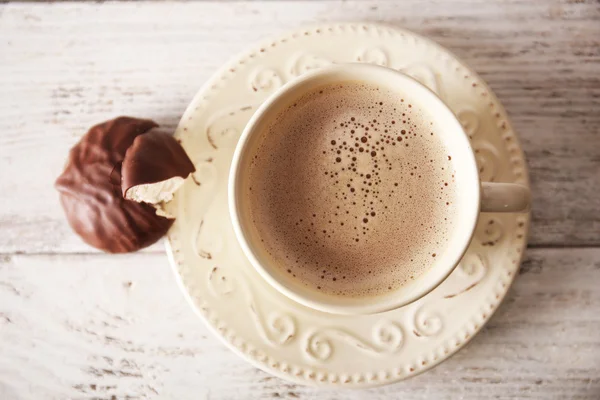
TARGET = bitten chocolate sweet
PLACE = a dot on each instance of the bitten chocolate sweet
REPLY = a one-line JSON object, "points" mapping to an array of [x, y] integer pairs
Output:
{"points": [[91, 194], [155, 166]]}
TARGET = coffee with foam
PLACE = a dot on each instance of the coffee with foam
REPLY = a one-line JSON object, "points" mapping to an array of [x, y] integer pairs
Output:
{"points": [[352, 191]]}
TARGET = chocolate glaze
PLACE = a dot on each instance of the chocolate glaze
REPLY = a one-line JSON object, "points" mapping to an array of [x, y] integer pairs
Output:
{"points": [[154, 157], [90, 190]]}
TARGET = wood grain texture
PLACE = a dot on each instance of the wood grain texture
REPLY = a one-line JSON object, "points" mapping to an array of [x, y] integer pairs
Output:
{"points": [[106, 327], [75, 324], [64, 67]]}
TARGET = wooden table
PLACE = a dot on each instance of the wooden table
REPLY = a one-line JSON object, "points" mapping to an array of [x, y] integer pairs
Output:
{"points": [[78, 324]]}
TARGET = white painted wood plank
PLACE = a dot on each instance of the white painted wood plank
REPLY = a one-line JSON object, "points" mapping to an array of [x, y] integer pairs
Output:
{"points": [[109, 327], [66, 66]]}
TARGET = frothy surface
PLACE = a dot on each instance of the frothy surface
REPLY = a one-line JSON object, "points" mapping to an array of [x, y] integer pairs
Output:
{"points": [[352, 192]]}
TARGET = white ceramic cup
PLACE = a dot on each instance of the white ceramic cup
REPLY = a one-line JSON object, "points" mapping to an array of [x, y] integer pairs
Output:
{"points": [[474, 196]]}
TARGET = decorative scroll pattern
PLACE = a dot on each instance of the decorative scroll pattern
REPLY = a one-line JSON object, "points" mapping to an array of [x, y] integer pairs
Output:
{"points": [[303, 63], [387, 338], [278, 324], [373, 55], [426, 75], [472, 270], [223, 128], [487, 157], [489, 231], [265, 80], [427, 322], [469, 120], [276, 328]]}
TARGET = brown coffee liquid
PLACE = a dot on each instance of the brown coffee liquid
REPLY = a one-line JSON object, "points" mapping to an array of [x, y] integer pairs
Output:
{"points": [[352, 190]]}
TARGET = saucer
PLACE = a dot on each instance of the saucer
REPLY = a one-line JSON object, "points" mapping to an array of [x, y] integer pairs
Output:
{"points": [[281, 336]]}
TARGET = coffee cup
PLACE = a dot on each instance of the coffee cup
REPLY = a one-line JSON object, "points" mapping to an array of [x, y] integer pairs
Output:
{"points": [[341, 83]]}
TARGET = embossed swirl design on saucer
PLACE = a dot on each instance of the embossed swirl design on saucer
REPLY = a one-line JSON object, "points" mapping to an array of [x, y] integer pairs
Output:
{"points": [[283, 337]]}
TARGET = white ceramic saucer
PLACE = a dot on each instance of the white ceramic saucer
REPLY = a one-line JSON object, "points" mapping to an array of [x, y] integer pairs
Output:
{"points": [[281, 336]]}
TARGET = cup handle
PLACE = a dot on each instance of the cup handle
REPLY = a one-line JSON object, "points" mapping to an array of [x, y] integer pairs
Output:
{"points": [[504, 197]]}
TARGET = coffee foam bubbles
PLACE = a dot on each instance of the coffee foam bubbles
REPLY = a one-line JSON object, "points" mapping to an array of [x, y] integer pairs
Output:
{"points": [[352, 192]]}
